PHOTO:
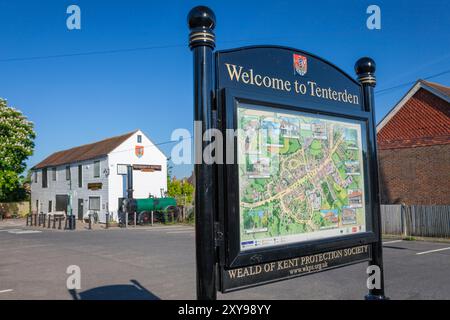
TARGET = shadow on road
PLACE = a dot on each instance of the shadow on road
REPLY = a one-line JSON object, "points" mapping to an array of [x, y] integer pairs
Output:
{"points": [[133, 291]]}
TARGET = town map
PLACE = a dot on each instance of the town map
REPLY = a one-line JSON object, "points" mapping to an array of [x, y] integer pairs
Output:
{"points": [[300, 177]]}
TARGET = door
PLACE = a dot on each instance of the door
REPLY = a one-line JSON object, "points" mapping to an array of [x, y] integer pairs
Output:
{"points": [[80, 209], [62, 200]]}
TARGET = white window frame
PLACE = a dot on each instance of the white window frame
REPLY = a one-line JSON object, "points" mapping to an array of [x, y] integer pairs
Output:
{"points": [[99, 168], [99, 203]]}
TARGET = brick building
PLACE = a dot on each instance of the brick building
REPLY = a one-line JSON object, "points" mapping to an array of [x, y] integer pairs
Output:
{"points": [[414, 147]]}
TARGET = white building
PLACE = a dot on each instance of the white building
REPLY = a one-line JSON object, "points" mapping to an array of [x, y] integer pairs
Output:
{"points": [[87, 176]]}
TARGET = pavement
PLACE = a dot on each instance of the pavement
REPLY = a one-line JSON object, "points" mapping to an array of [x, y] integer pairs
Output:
{"points": [[159, 263]]}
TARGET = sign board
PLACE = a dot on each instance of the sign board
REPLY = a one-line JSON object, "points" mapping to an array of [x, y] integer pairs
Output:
{"points": [[295, 190], [147, 167], [121, 169], [297, 198], [95, 186]]}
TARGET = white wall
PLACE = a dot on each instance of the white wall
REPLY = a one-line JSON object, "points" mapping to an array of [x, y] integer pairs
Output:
{"points": [[62, 186], [145, 183]]}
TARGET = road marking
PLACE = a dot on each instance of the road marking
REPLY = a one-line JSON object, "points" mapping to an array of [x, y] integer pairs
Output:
{"points": [[24, 231], [8, 230], [393, 241], [431, 251], [170, 228], [10, 248], [185, 231], [7, 290]]}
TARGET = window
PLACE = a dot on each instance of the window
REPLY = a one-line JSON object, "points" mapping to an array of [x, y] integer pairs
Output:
{"points": [[35, 177], [94, 203], [97, 169], [50, 205], [44, 178], [67, 172], [80, 176], [54, 173], [139, 138]]}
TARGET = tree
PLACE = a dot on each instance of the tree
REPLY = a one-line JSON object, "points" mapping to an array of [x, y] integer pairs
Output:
{"points": [[181, 190], [16, 145]]}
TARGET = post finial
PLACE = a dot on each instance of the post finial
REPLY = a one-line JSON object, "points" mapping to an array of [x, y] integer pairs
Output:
{"points": [[365, 70], [201, 21]]}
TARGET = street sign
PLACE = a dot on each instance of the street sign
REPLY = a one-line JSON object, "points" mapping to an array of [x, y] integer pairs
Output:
{"points": [[95, 185], [147, 167], [121, 169], [298, 191]]}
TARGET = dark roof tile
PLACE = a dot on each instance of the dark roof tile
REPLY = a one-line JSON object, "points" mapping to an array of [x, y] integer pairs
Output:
{"points": [[84, 152]]}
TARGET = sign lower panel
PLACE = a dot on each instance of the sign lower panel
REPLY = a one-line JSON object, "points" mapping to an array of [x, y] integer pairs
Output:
{"points": [[241, 278]]}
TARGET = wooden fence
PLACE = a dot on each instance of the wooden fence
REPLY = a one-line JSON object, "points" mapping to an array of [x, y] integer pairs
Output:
{"points": [[420, 221]]}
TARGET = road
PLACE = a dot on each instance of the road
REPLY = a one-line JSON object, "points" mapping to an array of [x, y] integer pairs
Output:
{"points": [[159, 263]]}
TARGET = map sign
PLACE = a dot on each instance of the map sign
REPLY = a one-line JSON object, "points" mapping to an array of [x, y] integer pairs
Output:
{"points": [[300, 177]]}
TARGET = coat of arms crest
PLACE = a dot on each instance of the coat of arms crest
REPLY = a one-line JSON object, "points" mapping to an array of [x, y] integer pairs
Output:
{"points": [[139, 151], [300, 64]]}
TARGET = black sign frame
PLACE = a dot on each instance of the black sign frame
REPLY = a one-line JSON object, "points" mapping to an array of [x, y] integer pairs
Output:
{"points": [[229, 216]]}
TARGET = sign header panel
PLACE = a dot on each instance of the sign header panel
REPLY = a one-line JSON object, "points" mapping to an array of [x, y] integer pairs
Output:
{"points": [[241, 278], [289, 73]]}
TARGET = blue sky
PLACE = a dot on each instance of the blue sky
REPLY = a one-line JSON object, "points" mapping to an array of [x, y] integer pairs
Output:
{"points": [[80, 99]]}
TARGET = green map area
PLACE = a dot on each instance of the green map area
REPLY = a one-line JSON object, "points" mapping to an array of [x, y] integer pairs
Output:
{"points": [[298, 175]]}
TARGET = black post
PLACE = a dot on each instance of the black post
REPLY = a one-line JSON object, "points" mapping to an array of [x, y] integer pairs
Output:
{"points": [[201, 22], [130, 182], [365, 69], [90, 221], [107, 221], [129, 189]]}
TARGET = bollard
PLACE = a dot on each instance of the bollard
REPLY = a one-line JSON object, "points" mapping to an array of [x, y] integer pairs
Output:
{"points": [[54, 223], [74, 223], [90, 221], [49, 220], [59, 222], [107, 221], [152, 218], [134, 217], [35, 219], [27, 221]]}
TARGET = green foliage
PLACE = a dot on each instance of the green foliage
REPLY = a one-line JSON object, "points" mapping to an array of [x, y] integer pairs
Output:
{"points": [[16, 145], [181, 190]]}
